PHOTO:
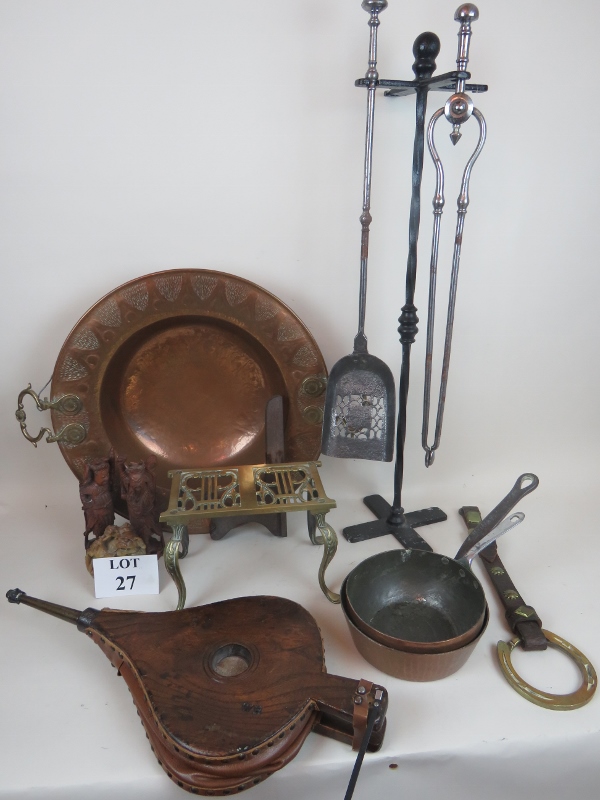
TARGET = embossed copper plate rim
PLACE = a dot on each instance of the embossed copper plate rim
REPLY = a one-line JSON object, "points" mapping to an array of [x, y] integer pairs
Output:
{"points": [[188, 296]]}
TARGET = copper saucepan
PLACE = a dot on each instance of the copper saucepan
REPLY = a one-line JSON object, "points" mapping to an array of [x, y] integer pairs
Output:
{"points": [[404, 664], [445, 611], [419, 601]]}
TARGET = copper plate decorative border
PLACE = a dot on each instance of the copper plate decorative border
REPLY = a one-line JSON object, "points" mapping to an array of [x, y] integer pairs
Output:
{"points": [[101, 331]]}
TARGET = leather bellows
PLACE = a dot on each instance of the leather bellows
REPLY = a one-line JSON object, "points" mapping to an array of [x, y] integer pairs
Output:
{"points": [[228, 692]]}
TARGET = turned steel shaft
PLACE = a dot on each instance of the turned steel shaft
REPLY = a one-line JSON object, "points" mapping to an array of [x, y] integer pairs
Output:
{"points": [[458, 109], [374, 7]]}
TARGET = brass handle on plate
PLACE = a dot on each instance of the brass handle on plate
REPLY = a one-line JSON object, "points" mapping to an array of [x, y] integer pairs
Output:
{"points": [[69, 404]]}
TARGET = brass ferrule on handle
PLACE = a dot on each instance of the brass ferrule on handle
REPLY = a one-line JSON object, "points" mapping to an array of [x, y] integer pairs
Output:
{"points": [[69, 404]]}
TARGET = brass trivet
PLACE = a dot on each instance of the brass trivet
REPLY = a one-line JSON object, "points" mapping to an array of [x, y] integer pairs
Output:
{"points": [[251, 490]]}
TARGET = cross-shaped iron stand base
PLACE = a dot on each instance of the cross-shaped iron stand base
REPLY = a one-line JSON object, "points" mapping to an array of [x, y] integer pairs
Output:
{"points": [[392, 519], [401, 525]]}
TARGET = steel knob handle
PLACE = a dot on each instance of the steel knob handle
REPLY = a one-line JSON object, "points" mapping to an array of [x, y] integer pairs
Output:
{"points": [[459, 107]]}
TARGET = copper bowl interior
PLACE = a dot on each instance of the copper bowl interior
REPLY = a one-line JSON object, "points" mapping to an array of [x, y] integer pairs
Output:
{"points": [[168, 392], [416, 601], [410, 666]]}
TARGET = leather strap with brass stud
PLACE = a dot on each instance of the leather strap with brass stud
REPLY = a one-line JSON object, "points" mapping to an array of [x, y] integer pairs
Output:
{"points": [[527, 625]]}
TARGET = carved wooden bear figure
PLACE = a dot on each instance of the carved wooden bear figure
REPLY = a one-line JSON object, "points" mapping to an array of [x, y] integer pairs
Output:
{"points": [[96, 498], [138, 489]]}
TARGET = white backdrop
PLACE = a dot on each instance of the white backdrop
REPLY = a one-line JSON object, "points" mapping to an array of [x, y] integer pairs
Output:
{"points": [[145, 135]]}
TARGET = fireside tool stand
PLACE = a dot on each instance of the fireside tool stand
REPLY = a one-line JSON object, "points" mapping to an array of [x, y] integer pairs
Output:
{"points": [[393, 519]]}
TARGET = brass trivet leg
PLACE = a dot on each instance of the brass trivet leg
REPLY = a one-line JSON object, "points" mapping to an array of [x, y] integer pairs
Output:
{"points": [[179, 539], [329, 549], [312, 528]]}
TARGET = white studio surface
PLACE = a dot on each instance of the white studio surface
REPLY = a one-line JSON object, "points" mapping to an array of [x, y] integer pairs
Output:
{"points": [[142, 136]]}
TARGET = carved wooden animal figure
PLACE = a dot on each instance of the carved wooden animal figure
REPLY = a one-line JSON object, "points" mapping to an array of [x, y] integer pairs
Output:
{"points": [[96, 499], [138, 488]]}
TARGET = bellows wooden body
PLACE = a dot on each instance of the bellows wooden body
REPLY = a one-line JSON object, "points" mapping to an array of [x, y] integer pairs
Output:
{"points": [[228, 692]]}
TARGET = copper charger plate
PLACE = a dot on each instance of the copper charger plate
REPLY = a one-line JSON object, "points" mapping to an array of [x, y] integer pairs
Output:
{"points": [[180, 365]]}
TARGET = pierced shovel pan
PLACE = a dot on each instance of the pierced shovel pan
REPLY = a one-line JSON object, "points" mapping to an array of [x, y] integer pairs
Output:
{"points": [[360, 404]]}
